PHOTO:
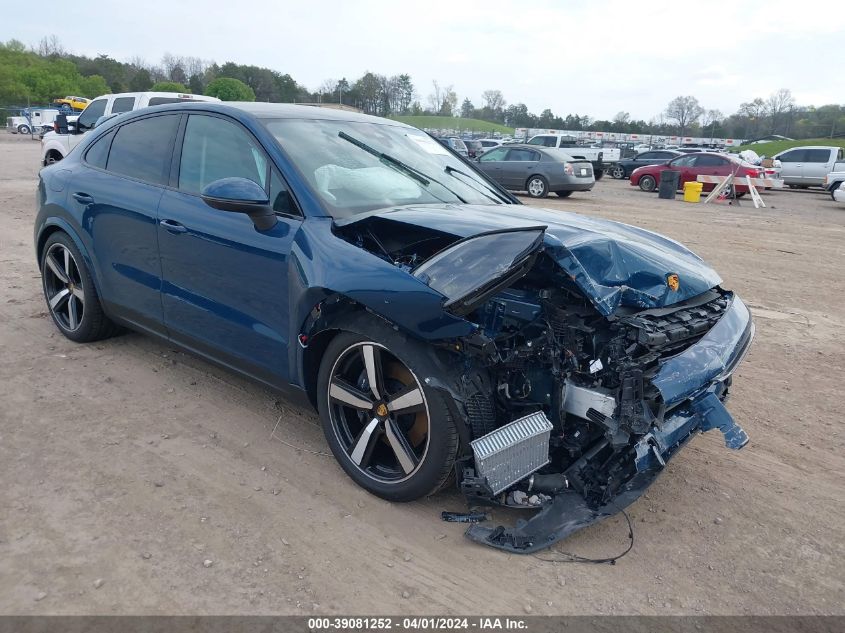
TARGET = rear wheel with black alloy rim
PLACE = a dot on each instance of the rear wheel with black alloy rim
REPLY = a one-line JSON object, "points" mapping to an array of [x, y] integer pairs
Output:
{"points": [[70, 293], [647, 183], [391, 432], [537, 186]]}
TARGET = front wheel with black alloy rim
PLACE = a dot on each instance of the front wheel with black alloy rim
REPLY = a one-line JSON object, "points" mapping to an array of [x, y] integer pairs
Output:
{"points": [[647, 183], [617, 172], [537, 187], [70, 293], [390, 431]]}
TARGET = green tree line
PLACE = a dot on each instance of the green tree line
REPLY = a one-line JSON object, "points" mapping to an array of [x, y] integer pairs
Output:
{"points": [[39, 74]]}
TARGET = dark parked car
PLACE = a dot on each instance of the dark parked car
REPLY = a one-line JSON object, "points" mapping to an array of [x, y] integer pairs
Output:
{"points": [[456, 144], [547, 359], [474, 148], [624, 167], [537, 171]]}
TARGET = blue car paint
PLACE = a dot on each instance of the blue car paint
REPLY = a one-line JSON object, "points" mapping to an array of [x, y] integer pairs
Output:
{"points": [[710, 358], [241, 297], [613, 264]]}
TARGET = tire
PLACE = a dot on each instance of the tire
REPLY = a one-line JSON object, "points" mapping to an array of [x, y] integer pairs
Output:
{"points": [[53, 157], [832, 189], [647, 183], [617, 172], [23, 129], [563, 194], [70, 294], [598, 173], [398, 457], [537, 186]]}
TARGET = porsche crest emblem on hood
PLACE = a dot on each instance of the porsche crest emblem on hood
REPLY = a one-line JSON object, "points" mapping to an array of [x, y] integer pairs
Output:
{"points": [[673, 281]]}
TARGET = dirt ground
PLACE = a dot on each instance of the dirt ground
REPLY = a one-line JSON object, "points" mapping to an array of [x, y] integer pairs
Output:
{"points": [[126, 464]]}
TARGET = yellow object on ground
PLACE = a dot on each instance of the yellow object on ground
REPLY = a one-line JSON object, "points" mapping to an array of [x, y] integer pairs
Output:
{"points": [[692, 191]]}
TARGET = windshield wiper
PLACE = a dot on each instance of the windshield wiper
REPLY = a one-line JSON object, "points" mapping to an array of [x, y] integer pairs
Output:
{"points": [[398, 165], [499, 197]]}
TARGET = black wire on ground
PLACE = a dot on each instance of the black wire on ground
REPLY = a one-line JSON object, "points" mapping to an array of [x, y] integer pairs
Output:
{"points": [[566, 557]]}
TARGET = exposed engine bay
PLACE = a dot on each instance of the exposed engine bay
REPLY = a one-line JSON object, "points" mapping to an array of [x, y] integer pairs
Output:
{"points": [[545, 368]]}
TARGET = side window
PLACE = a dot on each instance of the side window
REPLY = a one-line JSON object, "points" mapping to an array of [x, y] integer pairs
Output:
{"points": [[216, 148], [540, 140], [817, 155], [705, 160], [522, 155], [280, 197], [98, 153], [648, 155], [795, 156], [122, 104], [493, 155], [683, 161], [841, 154], [142, 149], [89, 116]]}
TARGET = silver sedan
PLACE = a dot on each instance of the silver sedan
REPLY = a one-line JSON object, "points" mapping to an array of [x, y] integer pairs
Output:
{"points": [[537, 171]]}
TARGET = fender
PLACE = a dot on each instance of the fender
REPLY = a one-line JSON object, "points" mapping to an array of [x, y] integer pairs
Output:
{"points": [[51, 225]]}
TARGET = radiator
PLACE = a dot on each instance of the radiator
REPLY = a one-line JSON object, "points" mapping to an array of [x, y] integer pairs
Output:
{"points": [[513, 452]]}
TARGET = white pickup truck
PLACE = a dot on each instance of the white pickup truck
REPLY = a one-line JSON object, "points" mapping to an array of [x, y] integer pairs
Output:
{"points": [[807, 166], [56, 145], [834, 179], [602, 158]]}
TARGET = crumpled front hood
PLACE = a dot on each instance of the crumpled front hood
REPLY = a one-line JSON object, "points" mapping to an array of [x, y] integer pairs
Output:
{"points": [[614, 264]]}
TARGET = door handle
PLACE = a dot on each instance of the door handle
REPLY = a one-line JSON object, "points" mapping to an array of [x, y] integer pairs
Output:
{"points": [[172, 226], [82, 198]]}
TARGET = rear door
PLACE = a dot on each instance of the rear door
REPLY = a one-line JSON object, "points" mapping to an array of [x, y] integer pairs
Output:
{"points": [[517, 166], [817, 164], [709, 165], [118, 193], [225, 283]]}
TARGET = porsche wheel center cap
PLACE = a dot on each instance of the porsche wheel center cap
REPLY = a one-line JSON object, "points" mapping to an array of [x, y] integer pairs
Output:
{"points": [[381, 410]]}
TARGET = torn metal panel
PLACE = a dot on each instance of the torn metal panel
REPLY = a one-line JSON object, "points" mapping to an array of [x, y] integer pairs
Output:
{"points": [[716, 355]]}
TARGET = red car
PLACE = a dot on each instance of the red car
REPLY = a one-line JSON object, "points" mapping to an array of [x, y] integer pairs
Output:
{"points": [[693, 165]]}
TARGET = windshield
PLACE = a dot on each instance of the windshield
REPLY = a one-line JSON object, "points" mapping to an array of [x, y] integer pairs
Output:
{"points": [[337, 160]]}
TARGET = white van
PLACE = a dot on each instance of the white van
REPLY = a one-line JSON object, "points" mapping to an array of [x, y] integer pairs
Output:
{"points": [[807, 166], [55, 146]]}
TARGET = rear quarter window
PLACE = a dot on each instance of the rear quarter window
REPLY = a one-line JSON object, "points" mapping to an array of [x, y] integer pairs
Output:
{"points": [[98, 154]]}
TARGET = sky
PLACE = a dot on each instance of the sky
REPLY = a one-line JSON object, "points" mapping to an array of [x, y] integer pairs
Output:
{"points": [[585, 57]]}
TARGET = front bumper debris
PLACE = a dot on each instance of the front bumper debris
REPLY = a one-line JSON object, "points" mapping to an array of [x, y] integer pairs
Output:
{"points": [[694, 384]]}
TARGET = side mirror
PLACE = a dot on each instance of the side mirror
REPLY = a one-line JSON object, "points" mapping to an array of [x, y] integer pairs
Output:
{"points": [[241, 195]]}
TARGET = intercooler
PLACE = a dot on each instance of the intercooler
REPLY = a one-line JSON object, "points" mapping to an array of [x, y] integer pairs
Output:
{"points": [[513, 452]]}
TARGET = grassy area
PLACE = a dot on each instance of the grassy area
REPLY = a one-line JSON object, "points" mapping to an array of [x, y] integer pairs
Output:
{"points": [[453, 123], [770, 149]]}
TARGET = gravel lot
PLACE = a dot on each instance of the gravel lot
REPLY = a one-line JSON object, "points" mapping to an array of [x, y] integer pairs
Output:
{"points": [[127, 465]]}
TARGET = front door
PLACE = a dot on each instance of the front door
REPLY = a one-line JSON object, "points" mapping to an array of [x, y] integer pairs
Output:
{"points": [[225, 291], [491, 163]]}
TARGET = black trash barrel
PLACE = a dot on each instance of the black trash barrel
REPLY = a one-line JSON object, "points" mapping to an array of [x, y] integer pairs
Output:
{"points": [[669, 179]]}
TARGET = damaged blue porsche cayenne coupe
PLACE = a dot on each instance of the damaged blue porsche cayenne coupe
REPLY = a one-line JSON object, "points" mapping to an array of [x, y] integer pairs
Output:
{"points": [[443, 331]]}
